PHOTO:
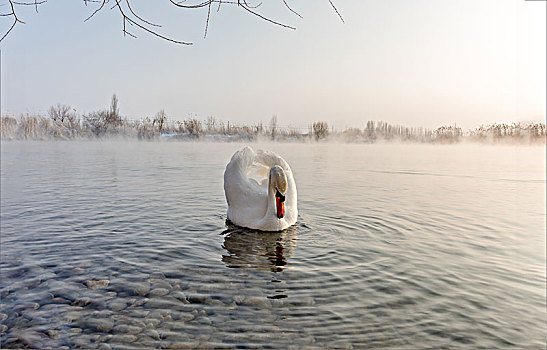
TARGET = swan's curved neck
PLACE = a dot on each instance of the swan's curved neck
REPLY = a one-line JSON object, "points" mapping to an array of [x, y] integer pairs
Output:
{"points": [[277, 185], [271, 197]]}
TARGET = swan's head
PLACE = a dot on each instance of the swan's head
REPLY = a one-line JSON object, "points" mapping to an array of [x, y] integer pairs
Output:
{"points": [[278, 181]]}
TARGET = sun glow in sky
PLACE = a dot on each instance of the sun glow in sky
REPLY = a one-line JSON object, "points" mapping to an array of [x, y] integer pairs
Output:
{"points": [[410, 62]]}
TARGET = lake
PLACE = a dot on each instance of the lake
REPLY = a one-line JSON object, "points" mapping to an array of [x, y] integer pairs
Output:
{"points": [[125, 245]]}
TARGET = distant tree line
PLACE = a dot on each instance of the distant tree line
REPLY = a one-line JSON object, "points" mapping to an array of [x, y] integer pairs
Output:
{"points": [[63, 123]]}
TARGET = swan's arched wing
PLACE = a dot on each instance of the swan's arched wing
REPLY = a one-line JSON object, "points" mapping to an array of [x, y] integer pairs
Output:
{"points": [[269, 159], [245, 197], [259, 173]]}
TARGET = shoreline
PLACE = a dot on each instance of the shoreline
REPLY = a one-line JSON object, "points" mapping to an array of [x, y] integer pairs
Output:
{"points": [[41, 128]]}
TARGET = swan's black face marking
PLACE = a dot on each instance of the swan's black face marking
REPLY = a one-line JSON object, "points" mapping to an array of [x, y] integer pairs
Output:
{"points": [[279, 195], [280, 204]]}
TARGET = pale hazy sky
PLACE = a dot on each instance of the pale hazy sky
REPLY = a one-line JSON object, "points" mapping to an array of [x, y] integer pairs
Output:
{"points": [[411, 62]]}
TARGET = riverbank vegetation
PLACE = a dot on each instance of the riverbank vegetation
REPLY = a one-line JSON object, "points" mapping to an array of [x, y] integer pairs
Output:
{"points": [[63, 123]]}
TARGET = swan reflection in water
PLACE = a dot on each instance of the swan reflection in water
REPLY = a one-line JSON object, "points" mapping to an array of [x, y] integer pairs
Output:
{"points": [[253, 249]]}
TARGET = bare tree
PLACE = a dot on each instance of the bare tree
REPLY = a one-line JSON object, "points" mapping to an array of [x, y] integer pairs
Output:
{"points": [[130, 19], [113, 116], [320, 130], [59, 112], [273, 127], [193, 127], [114, 109], [211, 124], [160, 119]]}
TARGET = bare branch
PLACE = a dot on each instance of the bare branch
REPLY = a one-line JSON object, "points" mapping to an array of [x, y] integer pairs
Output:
{"points": [[28, 3], [265, 18], [131, 18], [15, 20], [203, 4], [9, 30], [131, 35], [96, 10], [293, 11], [131, 21], [335, 9], [249, 6], [134, 14], [207, 22], [125, 31]]}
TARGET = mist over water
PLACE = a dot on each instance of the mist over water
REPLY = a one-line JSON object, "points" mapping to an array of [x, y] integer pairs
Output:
{"points": [[397, 245]]}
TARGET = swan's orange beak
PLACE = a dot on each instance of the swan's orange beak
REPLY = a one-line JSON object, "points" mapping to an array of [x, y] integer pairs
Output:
{"points": [[280, 204]]}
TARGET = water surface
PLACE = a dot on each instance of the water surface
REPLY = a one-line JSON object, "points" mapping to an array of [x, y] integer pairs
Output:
{"points": [[126, 245]]}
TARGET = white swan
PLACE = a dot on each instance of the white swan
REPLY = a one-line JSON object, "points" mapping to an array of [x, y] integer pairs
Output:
{"points": [[260, 191]]}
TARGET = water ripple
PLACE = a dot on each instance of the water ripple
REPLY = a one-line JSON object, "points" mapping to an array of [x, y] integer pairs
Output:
{"points": [[126, 245]]}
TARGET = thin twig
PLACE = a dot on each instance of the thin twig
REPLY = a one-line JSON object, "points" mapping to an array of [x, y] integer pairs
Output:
{"points": [[203, 4], [335, 9], [293, 11], [14, 14], [125, 31], [96, 10], [9, 30], [129, 20], [28, 3], [207, 22], [265, 18], [134, 14], [249, 6]]}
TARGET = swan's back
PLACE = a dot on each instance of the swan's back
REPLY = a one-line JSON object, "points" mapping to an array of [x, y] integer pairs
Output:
{"points": [[246, 189]]}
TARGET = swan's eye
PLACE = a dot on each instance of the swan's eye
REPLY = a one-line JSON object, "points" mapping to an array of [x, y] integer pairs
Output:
{"points": [[279, 195]]}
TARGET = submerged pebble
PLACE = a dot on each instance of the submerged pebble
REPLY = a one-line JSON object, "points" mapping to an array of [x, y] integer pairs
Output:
{"points": [[158, 292], [152, 322], [180, 296], [96, 284], [104, 346], [123, 338], [100, 324], [141, 289], [126, 329], [165, 303], [152, 333], [260, 302], [83, 301], [117, 304]]}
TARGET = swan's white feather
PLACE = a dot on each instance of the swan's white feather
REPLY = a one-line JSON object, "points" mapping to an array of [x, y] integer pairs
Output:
{"points": [[246, 189]]}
